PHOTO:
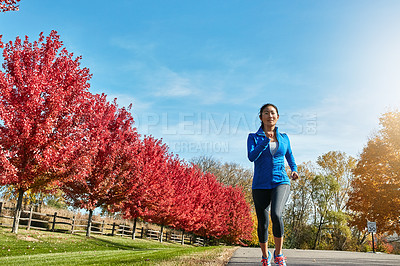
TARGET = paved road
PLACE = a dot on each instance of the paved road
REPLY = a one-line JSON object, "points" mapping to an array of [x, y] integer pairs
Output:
{"points": [[252, 256]]}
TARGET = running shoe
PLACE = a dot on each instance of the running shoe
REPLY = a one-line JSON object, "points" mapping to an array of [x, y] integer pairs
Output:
{"points": [[267, 261], [280, 260]]}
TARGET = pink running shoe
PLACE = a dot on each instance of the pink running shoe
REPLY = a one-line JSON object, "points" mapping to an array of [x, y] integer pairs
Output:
{"points": [[267, 261], [280, 260]]}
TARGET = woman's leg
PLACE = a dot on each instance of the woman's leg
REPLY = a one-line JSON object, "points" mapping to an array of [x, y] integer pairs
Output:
{"points": [[278, 245], [262, 200], [264, 249], [279, 198]]}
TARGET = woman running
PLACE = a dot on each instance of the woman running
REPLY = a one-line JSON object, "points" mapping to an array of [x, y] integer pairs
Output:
{"points": [[267, 148]]}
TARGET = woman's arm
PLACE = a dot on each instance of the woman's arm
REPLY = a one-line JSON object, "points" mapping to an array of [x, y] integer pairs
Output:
{"points": [[254, 150]]}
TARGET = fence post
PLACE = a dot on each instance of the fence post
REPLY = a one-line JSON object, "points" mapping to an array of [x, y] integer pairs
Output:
{"points": [[102, 228], [123, 230], [1, 207], [73, 224], [54, 221], [141, 234], [183, 237], [30, 218], [113, 229]]}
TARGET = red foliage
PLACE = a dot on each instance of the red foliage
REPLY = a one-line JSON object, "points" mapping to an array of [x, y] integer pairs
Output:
{"points": [[9, 5], [150, 161], [163, 192], [180, 196], [107, 158], [187, 192], [220, 211], [238, 215], [42, 93]]}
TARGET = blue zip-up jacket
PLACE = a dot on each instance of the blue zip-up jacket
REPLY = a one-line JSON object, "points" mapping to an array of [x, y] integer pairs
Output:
{"points": [[269, 171]]}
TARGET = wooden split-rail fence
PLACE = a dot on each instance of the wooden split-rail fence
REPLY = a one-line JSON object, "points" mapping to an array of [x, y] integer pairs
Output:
{"points": [[30, 219]]}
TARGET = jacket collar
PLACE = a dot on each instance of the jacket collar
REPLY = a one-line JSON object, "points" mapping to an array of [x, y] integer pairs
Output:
{"points": [[260, 132]]}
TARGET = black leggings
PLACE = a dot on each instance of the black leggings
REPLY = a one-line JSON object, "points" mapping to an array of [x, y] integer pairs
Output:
{"points": [[274, 199]]}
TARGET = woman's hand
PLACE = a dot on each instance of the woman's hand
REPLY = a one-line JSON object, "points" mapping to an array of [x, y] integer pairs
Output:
{"points": [[294, 175]]}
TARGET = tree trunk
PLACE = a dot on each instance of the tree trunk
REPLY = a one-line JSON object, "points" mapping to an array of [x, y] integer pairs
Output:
{"points": [[363, 238], [17, 211], [318, 232], [161, 233], [89, 224], [134, 229]]}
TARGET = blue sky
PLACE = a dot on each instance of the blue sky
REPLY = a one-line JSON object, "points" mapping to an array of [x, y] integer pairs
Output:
{"points": [[198, 71]]}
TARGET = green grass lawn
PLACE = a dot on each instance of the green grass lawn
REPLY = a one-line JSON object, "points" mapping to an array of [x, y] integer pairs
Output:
{"points": [[48, 248]]}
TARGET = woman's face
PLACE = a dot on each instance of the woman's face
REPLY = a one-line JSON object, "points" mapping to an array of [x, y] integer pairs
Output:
{"points": [[269, 116]]}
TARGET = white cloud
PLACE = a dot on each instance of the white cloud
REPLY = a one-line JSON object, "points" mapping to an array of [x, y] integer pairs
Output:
{"points": [[138, 48], [167, 83], [124, 100]]}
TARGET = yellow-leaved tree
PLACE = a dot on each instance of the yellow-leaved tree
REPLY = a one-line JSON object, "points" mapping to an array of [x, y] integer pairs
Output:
{"points": [[375, 190]]}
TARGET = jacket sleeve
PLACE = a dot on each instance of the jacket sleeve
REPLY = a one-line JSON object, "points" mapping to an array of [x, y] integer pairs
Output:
{"points": [[254, 149], [289, 157]]}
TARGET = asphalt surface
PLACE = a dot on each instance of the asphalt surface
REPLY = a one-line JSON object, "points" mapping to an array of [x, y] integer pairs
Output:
{"points": [[252, 256]]}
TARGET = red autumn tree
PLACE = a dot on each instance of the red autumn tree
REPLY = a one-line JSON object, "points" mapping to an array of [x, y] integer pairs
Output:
{"points": [[42, 91], [209, 202], [9, 5], [107, 159], [151, 164], [163, 192], [239, 222], [193, 197], [187, 190], [187, 210], [221, 212]]}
